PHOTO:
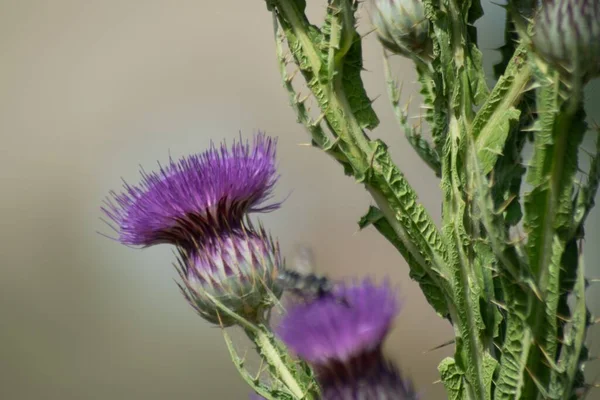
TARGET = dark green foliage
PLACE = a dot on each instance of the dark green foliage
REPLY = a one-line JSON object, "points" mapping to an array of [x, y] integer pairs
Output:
{"points": [[502, 266]]}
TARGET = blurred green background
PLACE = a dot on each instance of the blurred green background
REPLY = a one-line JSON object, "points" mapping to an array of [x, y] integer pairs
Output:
{"points": [[90, 90]]}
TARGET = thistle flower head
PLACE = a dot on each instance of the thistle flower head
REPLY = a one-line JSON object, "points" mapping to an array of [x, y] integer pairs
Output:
{"points": [[237, 268], [402, 26], [197, 195], [567, 35], [373, 377], [328, 330]]}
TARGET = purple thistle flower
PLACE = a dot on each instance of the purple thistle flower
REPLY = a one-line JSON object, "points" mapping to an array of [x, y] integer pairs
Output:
{"points": [[196, 196], [238, 268], [369, 376], [341, 336], [328, 329]]}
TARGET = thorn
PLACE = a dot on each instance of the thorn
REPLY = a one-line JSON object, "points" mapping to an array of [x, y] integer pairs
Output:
{"points": [[304, 98], [319, 119], [549, 362], [504, 6], [368, 33], [531, 86], [291, 77], [591, 281], [243, 358], [449, 342], [499, 305], [533, 378], [505, 204], [498, 347], [563, 317], [260, 367]]}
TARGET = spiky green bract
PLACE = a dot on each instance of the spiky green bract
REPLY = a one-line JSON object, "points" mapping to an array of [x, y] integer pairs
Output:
{"points": [[567, 35], [237, 267], [402, 27]]}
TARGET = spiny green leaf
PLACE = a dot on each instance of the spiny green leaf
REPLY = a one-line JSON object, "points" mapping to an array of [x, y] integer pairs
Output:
{"points": [[573, 343], [434, 102], [452, 379], [318, 135], [406, 214], [498, 115], [489, 368], [420, 145], [497, 233], [343, 48], [356, 94], [433, 294], [548, 211], [485, 265], [476, 74], [470, 351], [517, 342]]}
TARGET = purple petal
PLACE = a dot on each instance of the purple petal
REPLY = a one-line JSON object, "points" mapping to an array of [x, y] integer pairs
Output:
{"points": [[329, 329], [198, 194]]}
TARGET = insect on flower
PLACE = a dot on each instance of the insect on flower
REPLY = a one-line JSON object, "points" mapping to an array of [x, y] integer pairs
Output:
{"points": [[302, 282]]}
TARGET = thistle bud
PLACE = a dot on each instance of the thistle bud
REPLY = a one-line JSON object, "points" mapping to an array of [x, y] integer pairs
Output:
{"points": [[402, 27], [567, 35], [237, 268]]}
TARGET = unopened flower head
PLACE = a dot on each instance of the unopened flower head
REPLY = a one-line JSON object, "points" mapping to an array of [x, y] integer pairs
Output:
{"points": [[328, 329], [567, 35], [197, 195], [237, 268], [402, 26]]}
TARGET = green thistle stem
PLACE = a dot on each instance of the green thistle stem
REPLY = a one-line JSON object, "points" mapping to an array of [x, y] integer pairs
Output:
{"points": [[271, 354], [263, 340]]}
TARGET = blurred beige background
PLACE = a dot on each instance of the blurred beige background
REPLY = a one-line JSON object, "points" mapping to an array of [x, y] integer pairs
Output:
{"points": [[90, 90]]}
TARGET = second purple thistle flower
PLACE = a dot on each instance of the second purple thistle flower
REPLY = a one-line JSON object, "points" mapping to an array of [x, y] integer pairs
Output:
{"points": [[341, 337], [200, 204]]}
